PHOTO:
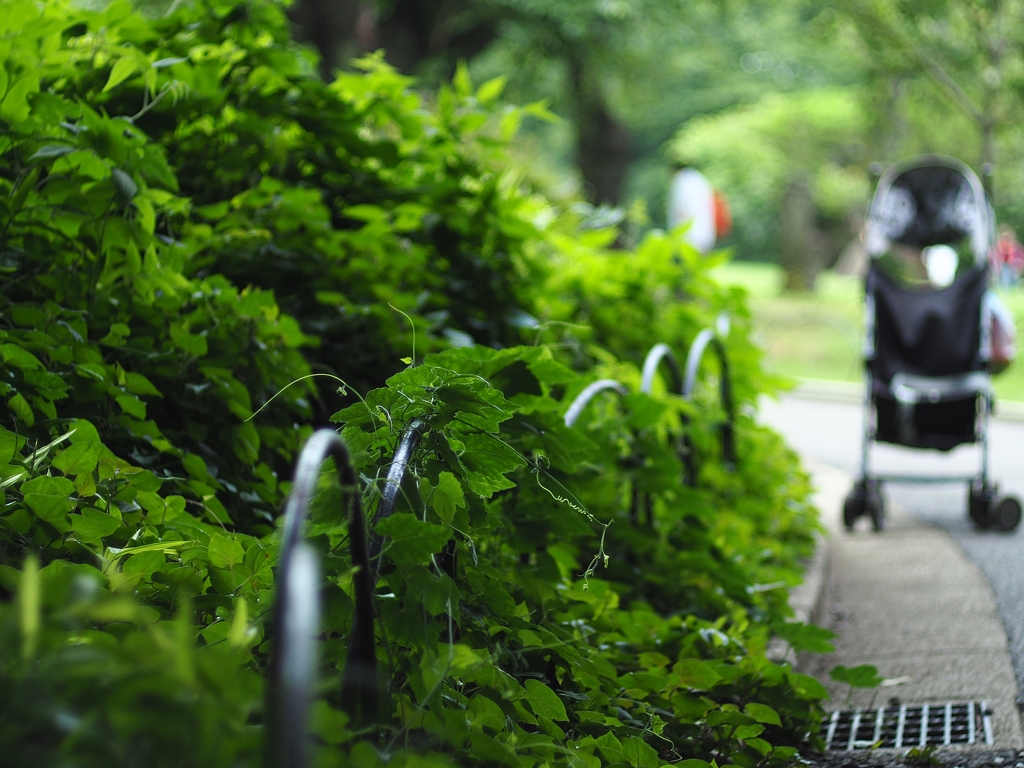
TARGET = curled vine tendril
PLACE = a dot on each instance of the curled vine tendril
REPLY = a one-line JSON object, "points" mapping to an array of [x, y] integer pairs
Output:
{"points": [[601, 558]]}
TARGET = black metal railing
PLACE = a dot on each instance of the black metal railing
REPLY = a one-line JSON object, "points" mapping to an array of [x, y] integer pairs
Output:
{"points": [[712, 337], [589, 393], [296, 619], [682, 383], [661, 353], [393, 482]]}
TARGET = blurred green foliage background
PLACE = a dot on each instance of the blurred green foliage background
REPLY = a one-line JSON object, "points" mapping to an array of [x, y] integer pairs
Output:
{"points": [[759, 94]]}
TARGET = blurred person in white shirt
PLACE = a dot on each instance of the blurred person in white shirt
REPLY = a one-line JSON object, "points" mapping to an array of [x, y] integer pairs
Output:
{"points": [[691, 199]]}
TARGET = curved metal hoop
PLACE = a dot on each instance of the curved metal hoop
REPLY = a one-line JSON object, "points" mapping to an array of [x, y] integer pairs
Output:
{"points": [[659, 353], [584, 397], [296, 617], [393, 482], [295, 622], [700, 344]]}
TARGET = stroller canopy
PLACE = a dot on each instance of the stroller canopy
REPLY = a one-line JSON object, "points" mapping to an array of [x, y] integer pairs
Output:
{"points": [[928, 201]]}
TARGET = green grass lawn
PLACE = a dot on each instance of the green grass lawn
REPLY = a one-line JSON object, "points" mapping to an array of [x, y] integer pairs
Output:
{"points": [[818, 335]]}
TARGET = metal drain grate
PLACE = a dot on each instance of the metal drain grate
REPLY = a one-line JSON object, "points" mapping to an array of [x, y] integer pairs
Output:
{"points": [[909, 726]]}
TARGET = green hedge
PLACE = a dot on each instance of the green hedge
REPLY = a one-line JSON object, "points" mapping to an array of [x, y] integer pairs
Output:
{"points": [[195, 233]]}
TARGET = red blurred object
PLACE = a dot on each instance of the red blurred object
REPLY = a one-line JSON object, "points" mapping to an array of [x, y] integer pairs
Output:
{"points": [[723, 219]]}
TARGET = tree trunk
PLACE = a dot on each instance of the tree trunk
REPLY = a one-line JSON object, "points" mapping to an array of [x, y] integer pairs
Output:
{"points": [[334, 28], [415, 31], [603, 144], [798, 254], [410, 32]]}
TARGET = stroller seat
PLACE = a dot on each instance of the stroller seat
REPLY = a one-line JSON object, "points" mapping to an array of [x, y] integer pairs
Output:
{"points": [[925, 356]]}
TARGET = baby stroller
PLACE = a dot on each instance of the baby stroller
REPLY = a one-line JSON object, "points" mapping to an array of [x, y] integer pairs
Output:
{"points": [[928, 330]]}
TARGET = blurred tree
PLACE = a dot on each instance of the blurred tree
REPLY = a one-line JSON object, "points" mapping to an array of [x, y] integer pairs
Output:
{"points": [[624, 74], [971, 50], [794, 167]]}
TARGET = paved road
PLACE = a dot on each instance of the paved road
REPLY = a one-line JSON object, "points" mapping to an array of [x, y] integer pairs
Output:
{"points": [[829, 431]]}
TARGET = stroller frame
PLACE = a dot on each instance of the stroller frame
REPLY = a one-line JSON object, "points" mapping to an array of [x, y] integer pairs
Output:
{"points": [[866, 498], [962, 388]]}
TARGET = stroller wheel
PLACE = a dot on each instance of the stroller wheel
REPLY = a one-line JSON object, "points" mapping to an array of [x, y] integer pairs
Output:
{"points": [[865, 498], [1005, 513], [853, 506], [979, 505], [875, 505]]}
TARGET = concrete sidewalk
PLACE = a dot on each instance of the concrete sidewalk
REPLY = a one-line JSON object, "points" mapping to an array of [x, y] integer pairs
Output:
{"points": [[909, 602]]}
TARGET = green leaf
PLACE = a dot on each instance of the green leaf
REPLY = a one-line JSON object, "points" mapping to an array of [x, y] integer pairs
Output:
{"points": [[491, 90], [94, 371], [145, 481], [807, 686], [20, 407], [122, 609], [479, 407], [486, 714], [462, 81], [691, 708], [224, 552], [649, 660], [543, 701], [763, 713], [15, 107], [168, 62], [149, 501], [805, 637], [488, 459], [611, 747], [748, 731], [329, 724], [123, 68], [447, 497], [785, 753], [19, 357], [158, 546], [85, 485], [863, 676], [8, 446], [78, 459], [760, 745], [125, 185], [51, 151], [83, 430], [639, 753], [463, 659], [138, 384], [49, 498], [115, 338], [728, 717], [192, 344], [195, 466], [412, 541], [92, 525], [539, 109], [696, 674], [132, 406]]}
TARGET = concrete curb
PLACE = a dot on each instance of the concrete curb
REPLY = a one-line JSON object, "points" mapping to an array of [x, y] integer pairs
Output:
{"points": [[807, 599]]}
